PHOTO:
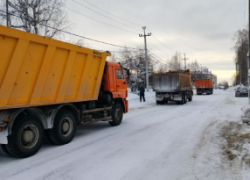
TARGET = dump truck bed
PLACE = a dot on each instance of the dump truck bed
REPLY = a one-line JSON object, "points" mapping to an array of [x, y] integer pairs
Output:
{"points": [[203, 83], [171, 82], [36, 70]]}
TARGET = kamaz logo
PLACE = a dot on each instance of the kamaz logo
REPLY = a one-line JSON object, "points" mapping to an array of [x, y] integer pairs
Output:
{"points": [[97, 53]]}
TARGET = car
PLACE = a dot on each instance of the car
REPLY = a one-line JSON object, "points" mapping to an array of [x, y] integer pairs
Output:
{"points": [[241, 91]]}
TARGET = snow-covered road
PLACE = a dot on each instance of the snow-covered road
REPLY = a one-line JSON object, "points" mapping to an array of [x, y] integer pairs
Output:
{"points": [[154, 142]]}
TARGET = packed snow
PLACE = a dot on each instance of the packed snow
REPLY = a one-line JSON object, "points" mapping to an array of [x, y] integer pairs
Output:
{"points": [[201, 140]]}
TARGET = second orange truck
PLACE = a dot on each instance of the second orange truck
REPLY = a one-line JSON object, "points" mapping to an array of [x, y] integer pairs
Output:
{"points": [[204, 86]]}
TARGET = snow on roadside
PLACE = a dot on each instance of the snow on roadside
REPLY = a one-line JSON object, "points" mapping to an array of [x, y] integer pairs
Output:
{"points": [[235, 138], [201, 140], [230, 138], [134, 100]]}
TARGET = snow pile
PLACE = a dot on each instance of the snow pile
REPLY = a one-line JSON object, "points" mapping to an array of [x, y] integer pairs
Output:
{"points": [[245, 117]]}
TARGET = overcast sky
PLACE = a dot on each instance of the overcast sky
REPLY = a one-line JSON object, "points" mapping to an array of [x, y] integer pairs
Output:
{"points": [[202, 29]]}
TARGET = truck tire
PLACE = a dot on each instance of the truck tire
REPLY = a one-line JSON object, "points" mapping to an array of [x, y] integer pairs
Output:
{"points": [[190, 98], [117, 114], [26, 138], [158, 102], [182, 101], [3, 150], [64, 129], [184, 98]]}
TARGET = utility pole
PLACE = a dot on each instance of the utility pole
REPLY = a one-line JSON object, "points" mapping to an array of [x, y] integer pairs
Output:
{"points": [[248, 58], [145, 42], [240, 70], [185, 61], [7, 13]]}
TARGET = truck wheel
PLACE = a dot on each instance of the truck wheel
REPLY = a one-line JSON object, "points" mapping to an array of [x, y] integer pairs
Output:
{"points": [[26, 138], [64, 128], [182, 101], [190, 98], [117, 114], [184, 98], [158, 102], [3, 150]]}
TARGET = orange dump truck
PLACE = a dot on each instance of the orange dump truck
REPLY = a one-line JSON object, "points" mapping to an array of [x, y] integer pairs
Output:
{"points": [[204, 86], [47, 87]]}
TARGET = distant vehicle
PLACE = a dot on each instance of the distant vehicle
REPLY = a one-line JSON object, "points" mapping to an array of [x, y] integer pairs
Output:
{"points": [[204, 86], [173, 86], [241, 91], [221, 87]]}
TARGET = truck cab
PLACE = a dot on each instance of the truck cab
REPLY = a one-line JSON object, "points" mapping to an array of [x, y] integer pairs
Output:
{"points": [[115, 83]]}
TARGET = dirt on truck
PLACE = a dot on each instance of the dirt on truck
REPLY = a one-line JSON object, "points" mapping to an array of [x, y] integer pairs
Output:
{"points": [[173, 86], [47, 87]]}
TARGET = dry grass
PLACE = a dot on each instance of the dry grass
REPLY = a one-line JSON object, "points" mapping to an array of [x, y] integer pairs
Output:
{"points": [[236, 142]]}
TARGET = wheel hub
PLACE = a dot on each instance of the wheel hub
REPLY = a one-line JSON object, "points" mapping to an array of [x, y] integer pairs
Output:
{"points": [[65, 127], [118, 113], [27, 136]]}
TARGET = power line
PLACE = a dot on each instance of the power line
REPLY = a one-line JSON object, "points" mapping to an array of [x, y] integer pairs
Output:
{"points": [[111, 13], [104, 15], [99, 20], [162, 44], [152, 55], [156, 47], [156, 57], [119, 52], [90, 39], [159, 40], [113, 19]]}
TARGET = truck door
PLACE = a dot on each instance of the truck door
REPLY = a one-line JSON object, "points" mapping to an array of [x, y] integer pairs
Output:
{"points": [[121, 83]]}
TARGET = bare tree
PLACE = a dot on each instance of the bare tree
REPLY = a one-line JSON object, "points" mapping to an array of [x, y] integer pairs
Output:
{"points": [[241, 49], [162, 68], [234, 79], [193, 66], [175, 62], [77, 41], [127, 59], [113, 58], [44, 17], [134, 60]]}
